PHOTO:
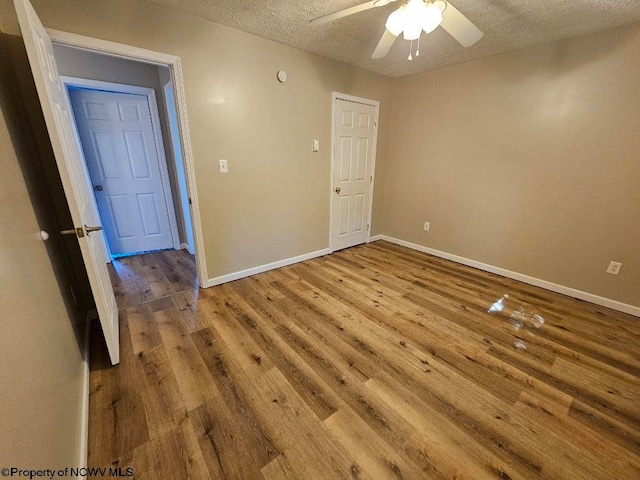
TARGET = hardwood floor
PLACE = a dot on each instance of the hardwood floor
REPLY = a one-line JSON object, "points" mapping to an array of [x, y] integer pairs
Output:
{"points": [[373, 362]]}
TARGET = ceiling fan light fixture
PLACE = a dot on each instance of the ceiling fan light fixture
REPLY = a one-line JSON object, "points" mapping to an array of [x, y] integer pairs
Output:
{"points": [[414, 17]]}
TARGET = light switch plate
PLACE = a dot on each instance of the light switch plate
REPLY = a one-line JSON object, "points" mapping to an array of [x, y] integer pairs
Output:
{"points": [[316, 146], [223, 166]]}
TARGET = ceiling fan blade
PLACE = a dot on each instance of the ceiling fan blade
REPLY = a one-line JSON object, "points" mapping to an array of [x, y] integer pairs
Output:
{"points": [[384, 45], [460, 27], [350, 11]]}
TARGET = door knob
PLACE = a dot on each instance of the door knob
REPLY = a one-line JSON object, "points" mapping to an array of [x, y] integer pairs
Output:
{"points": [[92, 229], [337, 189], [98, 188], [79, 232]]}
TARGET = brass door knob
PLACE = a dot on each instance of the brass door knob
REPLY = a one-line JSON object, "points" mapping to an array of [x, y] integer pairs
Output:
{"points": [[337, 189]]}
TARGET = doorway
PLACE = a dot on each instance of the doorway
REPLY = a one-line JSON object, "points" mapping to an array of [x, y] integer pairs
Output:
{"points": [[74, 176], [120, 134], [170, 95], [355, 132]]}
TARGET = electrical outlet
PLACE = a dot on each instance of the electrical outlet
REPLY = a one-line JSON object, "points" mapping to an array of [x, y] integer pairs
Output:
{"points": [[614, 268], [427, 226]]}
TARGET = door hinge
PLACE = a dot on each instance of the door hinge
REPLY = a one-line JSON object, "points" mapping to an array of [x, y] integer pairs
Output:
{"points": [[367, 226], [371, 179], [190, 202]]}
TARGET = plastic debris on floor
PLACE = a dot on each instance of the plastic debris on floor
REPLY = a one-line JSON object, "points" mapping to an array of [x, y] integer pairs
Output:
{"points": [[519, 345], [498, 305], [518, 317], [527, 319]]}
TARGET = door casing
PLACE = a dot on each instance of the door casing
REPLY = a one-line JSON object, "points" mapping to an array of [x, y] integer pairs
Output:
{"points": [[176, 148], [376, 104], [157, 133]]}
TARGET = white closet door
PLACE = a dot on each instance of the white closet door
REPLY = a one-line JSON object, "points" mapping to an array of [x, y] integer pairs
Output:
{"points": [[120, 149], [354, 139]]}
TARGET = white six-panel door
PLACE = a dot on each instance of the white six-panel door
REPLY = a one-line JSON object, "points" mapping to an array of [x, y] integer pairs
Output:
{"points": [[125, 166], [353, 158], [75, 179]]}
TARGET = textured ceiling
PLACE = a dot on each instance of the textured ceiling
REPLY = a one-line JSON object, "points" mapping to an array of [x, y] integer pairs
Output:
{"points": [[507, 24]]}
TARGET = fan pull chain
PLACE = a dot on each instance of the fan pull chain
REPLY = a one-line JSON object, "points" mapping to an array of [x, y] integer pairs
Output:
{"points": [[411, 51], [418, 49]]}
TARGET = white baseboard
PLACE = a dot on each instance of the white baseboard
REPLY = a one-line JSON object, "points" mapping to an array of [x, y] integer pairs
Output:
{"points": [[84, 409], [554, 287], [374, 238], [212, 282]]}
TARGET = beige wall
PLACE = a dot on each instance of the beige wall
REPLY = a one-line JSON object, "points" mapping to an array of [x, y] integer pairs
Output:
{"points": [[529, 161], [42, 370], [82, 64], [274, 203]]}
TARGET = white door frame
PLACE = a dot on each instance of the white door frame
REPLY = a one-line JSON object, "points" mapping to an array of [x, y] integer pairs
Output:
{"points": [[119, 50], [157, 133], [365, 101]]}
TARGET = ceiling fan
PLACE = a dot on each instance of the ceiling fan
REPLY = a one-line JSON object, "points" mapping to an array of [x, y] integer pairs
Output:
{"points": [[411, 20]]}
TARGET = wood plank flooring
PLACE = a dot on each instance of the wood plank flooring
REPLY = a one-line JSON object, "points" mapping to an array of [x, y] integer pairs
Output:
{"points": [[373, 362], [142, 278]]}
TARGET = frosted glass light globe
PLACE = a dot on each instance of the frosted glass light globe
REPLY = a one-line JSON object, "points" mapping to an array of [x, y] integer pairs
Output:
{"points": [[395, 22], [432, 17], [414, 19]]}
